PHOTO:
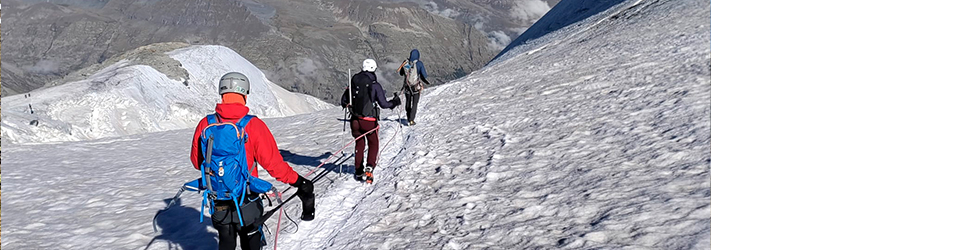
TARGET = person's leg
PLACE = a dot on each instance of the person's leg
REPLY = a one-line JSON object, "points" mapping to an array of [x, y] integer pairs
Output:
{"points": [[414, 102], [355, 130], [408, 105], [373, 147], [409, 108], [223, 222], [251, 234], [226, 236]]}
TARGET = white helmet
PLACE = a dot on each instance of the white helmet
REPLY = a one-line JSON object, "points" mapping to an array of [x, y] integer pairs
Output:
{"points": [[369, 65], [233, 82]]}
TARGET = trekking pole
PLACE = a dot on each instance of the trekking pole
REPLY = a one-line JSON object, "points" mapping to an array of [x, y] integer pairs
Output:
{"points": [[350, 99], [348, 87], [267, 215], [324, 162]]}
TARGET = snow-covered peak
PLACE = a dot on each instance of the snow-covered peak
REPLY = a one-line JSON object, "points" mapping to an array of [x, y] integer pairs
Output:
{"points": [[128, 98]]}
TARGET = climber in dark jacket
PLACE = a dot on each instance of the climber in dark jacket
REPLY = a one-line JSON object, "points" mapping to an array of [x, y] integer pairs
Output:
{"points": [[413, 83], [369, 98]]}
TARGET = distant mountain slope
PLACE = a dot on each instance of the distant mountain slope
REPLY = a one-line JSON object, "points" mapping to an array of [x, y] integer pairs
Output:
{"points": [[130, 97], [304, 45]]}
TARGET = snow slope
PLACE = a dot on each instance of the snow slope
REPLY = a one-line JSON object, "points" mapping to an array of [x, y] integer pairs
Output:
{"points": [[599, 139], [127, 99], [555, 22]]}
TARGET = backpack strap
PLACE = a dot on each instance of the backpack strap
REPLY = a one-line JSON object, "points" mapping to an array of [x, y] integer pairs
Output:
{"points": [[244, 121], [212, 118]]}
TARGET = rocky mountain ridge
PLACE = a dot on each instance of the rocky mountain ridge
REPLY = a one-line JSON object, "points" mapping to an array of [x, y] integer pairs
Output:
{"points": [[304, 46]]}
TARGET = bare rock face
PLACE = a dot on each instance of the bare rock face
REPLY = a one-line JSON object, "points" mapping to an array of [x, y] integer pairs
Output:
{"points": [[47, 49], [452, 48], [302, 45]]}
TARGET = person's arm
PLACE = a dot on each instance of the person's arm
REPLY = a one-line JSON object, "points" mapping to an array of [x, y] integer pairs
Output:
{"points": [[267, 152], [196, 157], [379, 95], [422, 73], [345, 98]]}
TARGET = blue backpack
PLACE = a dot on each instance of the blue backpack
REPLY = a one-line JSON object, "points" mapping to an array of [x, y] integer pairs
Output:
{"points": [[224, 172]]}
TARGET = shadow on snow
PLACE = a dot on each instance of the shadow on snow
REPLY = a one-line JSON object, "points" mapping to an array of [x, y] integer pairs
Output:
{"points": [[335, 165], [179, 226]]}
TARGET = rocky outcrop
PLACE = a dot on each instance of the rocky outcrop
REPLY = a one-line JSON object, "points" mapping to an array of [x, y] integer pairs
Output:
{"points": [[153, 55]]}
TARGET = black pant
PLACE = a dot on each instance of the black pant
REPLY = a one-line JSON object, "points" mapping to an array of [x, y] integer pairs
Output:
{"points": [[411, 104], [225, 220]]}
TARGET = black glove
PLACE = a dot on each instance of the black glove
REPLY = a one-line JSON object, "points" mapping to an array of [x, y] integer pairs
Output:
{"points": [[396, 101], [305, 193]]}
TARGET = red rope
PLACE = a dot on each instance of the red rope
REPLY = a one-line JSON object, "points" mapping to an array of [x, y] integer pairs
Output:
{"points": [[276, 244], [279, 222], [396, 133], [338, 151]]}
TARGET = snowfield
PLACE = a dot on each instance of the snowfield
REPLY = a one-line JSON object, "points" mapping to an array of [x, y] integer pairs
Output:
{"points": [[596, 135]]}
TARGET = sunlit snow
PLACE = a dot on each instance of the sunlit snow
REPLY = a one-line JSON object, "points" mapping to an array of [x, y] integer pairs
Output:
{"points": [[597, 136], [126, 99]]}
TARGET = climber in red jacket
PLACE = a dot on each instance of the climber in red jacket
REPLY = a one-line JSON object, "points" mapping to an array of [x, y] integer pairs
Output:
{"points": [[260, 146]]}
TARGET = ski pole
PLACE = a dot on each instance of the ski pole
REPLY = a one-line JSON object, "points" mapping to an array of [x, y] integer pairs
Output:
{"points": [[350, 99]]}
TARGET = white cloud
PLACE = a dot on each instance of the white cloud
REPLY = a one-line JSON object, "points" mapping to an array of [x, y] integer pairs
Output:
{"points": [[434, 8], [46, 66], [498, 39], [450, 13], [306, 66], [529, 10]]}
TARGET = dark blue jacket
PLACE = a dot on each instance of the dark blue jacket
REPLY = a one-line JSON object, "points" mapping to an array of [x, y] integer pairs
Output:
{"points": [[412, 57]]}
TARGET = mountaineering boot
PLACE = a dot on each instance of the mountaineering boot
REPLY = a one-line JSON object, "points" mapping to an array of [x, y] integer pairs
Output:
{"points": [[369, 174], [359, 174], [411, 123]]}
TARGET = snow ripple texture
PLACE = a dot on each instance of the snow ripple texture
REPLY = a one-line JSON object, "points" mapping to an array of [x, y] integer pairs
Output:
{"points": [[600, 139]]}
